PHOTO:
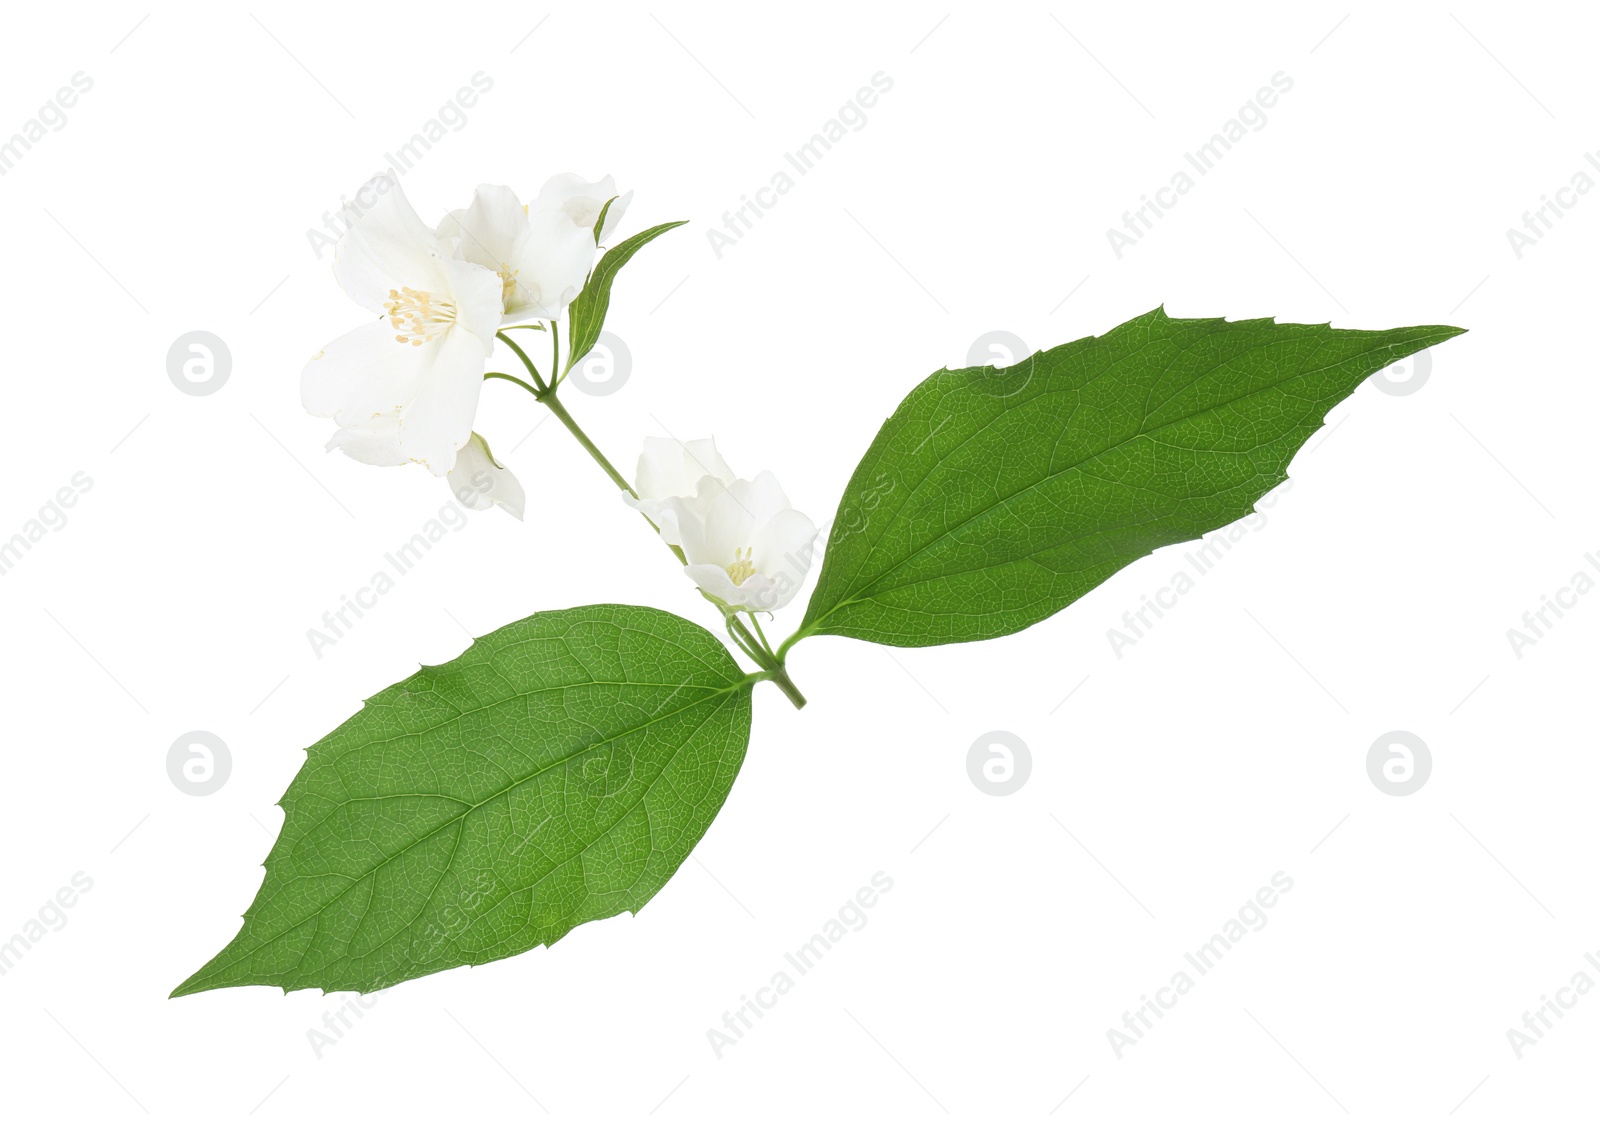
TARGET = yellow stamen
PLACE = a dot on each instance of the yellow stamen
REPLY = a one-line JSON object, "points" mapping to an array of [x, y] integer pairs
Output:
{"points": [[417, 316], [741, 569], [508, 283]]}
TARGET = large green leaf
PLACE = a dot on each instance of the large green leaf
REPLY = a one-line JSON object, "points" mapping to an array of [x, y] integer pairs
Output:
{"points": [[587, 314], [559, 771], [993, 498]]}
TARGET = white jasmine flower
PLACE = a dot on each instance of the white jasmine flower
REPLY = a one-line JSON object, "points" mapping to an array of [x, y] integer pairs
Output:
{"points": [[541, 258], [404, 388], [479, 481], [744, 543]]}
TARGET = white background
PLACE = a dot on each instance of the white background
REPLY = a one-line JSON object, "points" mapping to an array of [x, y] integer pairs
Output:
{"points": [[1227, 745]]}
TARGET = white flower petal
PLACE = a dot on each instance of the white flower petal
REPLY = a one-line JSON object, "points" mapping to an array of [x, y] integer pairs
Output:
{"points": [[387, 247], [489, 229], [690, 516], [763, 594], [757, 593], [580, 200], [679, 519], [669, 468], [730, 525], [376, 442], [784, 549], [765, 497], [661, 511], [552, 263], [478, 481], [476, 292], [365, 373], [714, 581], [438, 421]]}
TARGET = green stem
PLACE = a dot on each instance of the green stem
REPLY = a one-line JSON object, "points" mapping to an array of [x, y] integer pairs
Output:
{"points": [[553, 402], [729, 622], [755, 622], [517, 380], [766, 660], [780, 678], [803, 633], [517, 349]]}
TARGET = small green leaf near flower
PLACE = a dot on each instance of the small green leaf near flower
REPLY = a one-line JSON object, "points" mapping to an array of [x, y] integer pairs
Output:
{"points": [[588, 312]]}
